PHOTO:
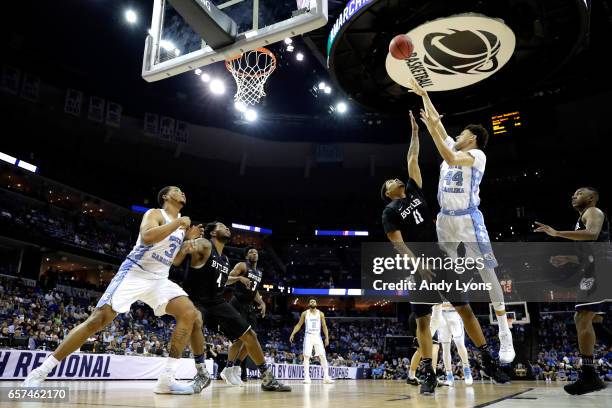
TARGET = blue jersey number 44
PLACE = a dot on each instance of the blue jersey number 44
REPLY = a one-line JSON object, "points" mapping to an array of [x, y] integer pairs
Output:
{"points": [[456, 177]]}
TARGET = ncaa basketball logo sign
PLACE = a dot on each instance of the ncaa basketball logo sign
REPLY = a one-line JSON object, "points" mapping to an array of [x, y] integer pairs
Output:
{"points": [[454, 52]]}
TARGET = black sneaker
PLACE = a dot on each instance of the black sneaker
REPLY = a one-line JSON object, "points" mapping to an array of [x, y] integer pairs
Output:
{"points": [[429, 383], [413, 381], [490, 369], [200, 381], [269, 383], [585, 385]]}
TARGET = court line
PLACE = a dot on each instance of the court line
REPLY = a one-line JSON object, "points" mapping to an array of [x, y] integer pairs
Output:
{"points": [[486, 404]]}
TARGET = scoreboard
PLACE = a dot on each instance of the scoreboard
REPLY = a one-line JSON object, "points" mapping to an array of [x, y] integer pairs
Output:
{"points": [[506, 122]]}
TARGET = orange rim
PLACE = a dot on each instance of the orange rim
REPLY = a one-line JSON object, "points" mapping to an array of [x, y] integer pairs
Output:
{"points": [[228, 64]]}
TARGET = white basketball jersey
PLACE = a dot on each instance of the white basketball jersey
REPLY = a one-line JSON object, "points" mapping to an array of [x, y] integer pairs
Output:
{"points": [[156, 259], [313, 323], [459, 186]]}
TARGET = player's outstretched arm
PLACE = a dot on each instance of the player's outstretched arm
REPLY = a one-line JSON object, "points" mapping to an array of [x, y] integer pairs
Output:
{"points": [[203, 249], [236, 275], [414, 171], [324, 328], [428, 105], [297, 327], [451, 157], [154, 229], [593, 218]]}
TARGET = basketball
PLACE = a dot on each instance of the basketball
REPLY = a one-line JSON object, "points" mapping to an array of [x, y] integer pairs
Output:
{"points": [[401, 47]]}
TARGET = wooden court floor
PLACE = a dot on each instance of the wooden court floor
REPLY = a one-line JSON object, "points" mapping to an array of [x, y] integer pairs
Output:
{"points": [[342, 394]]}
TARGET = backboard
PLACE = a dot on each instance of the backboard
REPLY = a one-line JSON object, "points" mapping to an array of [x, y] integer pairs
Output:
{"points": [[516, 313], [173, 47]]}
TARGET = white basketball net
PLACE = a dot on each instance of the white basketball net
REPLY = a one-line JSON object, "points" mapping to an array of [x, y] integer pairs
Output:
{"points": [[251, 70]]}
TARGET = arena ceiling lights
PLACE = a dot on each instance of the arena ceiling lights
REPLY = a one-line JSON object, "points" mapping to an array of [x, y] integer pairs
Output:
{"points": [[19, 163]]}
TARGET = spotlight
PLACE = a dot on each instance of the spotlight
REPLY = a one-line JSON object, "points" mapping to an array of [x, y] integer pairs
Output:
{"points": [[290, 48], [177, 52], [299, 56], [341, 107], [205, 77], [322, 85], [327, 90], [240, 107], [217, 87], [250, 115], [198, 71], [288, 41], [130, 16]]}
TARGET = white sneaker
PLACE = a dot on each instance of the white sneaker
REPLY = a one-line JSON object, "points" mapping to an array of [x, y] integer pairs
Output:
{"points": [[450, 380], [237, 374], [168, 385], [467, 372], [306, 381], [35, 378], [228, 376], [328, 381], [506, 348]]}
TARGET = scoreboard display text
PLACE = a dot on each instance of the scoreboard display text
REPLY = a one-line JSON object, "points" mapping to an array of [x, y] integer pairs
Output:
{"points": [[506, 122]]}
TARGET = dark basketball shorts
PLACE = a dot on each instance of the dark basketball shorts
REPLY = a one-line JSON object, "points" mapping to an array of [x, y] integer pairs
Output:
{"points": [[422, 301], [247, 310], [224, 318]]}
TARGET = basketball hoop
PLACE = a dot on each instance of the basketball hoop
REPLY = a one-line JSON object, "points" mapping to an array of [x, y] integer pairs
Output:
{"points": [[251, 70]]}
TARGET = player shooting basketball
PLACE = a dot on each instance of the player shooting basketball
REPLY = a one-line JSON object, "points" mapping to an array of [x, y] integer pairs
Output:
{"points": [[407, 218], [459, 219]]}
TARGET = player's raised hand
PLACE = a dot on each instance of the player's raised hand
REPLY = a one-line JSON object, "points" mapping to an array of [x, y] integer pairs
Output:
{"points": [[291, 339], [547, 229], [194, 232], [262, 309], [429, 121], [184, 222], [326, 342], [415, 126], [414, 87]]}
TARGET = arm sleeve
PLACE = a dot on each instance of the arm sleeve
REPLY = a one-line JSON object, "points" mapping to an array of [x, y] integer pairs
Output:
{"points": [[390, 220], [480, 159]]}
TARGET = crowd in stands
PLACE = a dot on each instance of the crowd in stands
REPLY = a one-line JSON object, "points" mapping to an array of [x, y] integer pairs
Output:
{"points": [[558, 358], [35, 318], [326, 264], [70, 228]]}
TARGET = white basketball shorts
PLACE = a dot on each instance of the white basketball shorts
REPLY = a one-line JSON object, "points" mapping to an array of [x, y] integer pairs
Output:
{"points": [[313, 341], [130, 285]]}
